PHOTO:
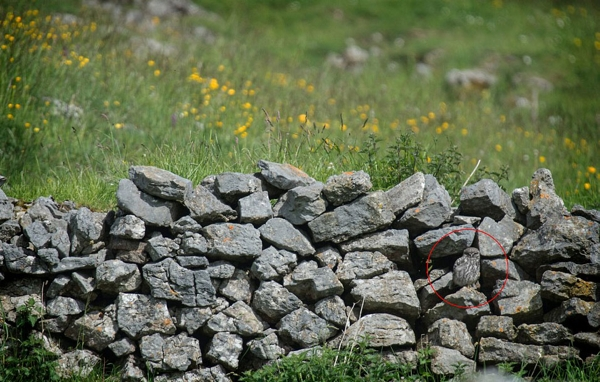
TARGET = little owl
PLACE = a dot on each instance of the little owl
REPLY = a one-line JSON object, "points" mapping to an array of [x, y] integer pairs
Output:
{"points": [[466, 268]]}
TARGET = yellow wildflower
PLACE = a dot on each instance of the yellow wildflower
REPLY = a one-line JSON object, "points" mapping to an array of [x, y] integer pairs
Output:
{"points": [[587, 186], [542, 159], [214, 84], [591, 169]]}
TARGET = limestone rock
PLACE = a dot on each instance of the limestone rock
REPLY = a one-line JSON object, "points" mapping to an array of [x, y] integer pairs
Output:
{"points": [[332, 309], [10, 228], [521, 300], [544, 204], [140, 315], [573, 312], [128, 227], [305, 328], [496, 326], [192, 318], [239, 318], [451, 334], [560, 286], [391, 292], [19, 260], [273, 264], [255, 208], [153, 211], [185, 225], [392, 243], [237, 288], [407, 193], [506, 232], [170, 281], [231, 186], [115, 276], [225, 349], [172, 353], [572, 240], [283, 235], [206, 208], [363, 265], [485, 198], [494, 270], [364, 215], [442, 285], [283, 176], [328, 256], [37, 234], [159, 183], [273, 301], [546, 333], [465, 297], [77, 364], [494, 350], [232, 241], [520, 197], [431, 212], [193, 243], [311, 283], [160, 247], [344, 188], [454, 243], [266, 348], [61, 306], [301, 204], [380, 330], [97, 330], [122, 347], [444, 361]]}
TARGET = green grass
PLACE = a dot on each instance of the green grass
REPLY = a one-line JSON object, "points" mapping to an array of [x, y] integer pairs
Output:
{"points": [[147, 108]]}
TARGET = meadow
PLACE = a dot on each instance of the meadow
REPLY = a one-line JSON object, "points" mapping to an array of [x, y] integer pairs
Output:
{"points": [[82, 98]]}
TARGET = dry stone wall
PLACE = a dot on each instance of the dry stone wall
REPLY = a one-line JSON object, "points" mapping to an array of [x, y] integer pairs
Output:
{"points": [[196, 282]]}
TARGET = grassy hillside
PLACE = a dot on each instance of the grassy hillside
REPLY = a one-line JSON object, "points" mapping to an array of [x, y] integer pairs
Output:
{"points": [[83, 98]]}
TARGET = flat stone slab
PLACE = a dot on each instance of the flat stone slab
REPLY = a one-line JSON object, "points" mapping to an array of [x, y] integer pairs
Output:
{"points": [[407, 193], [207, 208], [283, 235], [160, 183], [153, 211], [231, 186], [364, 215], [454, 243], [139, 315], [485, 198], [273, 301], [301, 204], [391, 292], [283, 176], [380, 330], [521, 300], [345, 187], [494, 350], [309, 282], [392, 243], [573, 239], [232, 241], [255, 208], [305, 328]]}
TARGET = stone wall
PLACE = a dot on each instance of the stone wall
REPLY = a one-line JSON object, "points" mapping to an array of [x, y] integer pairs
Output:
{"points": [[196, 282]]}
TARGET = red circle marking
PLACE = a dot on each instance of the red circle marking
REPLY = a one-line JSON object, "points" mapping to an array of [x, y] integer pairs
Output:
{"points": [[462, 306]]}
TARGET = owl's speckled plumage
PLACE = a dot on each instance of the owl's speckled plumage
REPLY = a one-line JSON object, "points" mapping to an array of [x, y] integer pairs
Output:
{"points": [[466, 268]]}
